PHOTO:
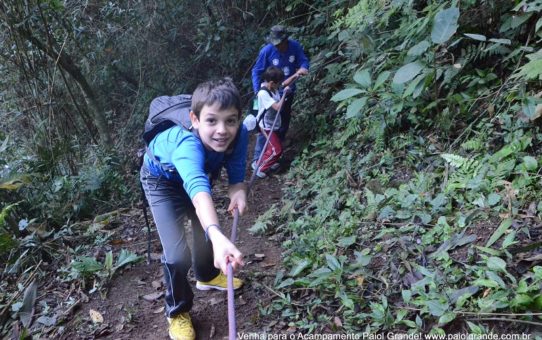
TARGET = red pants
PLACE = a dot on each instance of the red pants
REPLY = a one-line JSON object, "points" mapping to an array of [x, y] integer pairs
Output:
{"points": [[272, 152]]}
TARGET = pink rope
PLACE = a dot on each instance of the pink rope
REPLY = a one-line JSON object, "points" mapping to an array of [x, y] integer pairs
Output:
{"points": [[231, 305], [231, 296], [232, 328]]}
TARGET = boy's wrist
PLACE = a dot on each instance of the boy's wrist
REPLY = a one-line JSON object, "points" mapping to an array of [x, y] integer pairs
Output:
{"points": [[211, 229]]}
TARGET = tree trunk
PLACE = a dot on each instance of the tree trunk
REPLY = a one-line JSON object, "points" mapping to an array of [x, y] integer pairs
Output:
{"points": [[65, 62]]}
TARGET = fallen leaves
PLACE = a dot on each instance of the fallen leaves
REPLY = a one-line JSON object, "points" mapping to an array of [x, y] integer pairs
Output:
{"points": [[158, 310], [215, 301], [153, 296], [360, 280], [96, 316]]}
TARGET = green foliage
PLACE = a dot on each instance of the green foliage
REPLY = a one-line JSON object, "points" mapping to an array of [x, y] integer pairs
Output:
{"points": [[445, 25], [430, 151], [8, 232], [84, 267], [262, 223], [413, 96], [433, 137], [5, 213], [7, 242], [407, 72], [532, 70], [95, 189], [486, 175]]}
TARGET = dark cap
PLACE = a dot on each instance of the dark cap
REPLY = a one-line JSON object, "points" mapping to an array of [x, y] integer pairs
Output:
{"points": [[277, 34]]}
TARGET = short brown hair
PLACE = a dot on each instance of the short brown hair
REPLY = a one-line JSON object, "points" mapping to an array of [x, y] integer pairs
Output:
{"points": [[222, 91]]}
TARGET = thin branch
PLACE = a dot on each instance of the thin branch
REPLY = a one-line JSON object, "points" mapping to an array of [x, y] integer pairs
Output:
{"points": [[280, 296]]}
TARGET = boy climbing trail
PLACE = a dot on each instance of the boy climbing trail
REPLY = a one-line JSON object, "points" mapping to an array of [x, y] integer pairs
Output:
{"points": [[174, 176], [270, 104]]}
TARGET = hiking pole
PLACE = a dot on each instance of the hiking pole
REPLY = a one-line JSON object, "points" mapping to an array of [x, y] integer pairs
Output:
{"points": [[144, 206], [149, 237]]}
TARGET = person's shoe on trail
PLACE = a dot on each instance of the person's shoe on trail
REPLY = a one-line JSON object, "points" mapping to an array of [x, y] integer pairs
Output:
{"points": [[275, 166], [180, 327], [220, 282], [261, 174]]}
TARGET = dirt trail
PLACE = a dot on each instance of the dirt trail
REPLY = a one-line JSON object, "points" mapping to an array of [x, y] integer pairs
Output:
{"points": [[133, 306]]}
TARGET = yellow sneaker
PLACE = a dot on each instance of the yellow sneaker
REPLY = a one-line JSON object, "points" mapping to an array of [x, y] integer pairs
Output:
{"points": [[220, 282], [180, 327]]}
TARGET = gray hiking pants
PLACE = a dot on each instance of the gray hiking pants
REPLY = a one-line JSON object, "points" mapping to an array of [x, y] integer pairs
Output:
{"points": [[169, 205]]}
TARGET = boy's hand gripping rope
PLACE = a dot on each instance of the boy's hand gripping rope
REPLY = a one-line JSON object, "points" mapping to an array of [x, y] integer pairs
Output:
{"points": [[231, 297]]}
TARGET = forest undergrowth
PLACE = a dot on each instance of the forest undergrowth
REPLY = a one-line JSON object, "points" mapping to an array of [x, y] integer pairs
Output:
{"points": [[418, 209], [415, 205]]}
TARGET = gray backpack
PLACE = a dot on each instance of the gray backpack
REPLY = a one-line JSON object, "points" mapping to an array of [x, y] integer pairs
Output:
{"points": [[165, 112]]}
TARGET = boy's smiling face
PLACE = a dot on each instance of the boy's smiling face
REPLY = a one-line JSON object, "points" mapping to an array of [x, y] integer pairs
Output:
{"points": [[217, 127]]}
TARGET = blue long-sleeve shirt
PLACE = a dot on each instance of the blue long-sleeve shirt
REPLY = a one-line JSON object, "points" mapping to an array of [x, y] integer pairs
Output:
{"points": [[184, 151], [290, 61]]}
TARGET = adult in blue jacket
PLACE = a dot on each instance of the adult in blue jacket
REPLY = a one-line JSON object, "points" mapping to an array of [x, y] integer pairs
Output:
{"points": [[288, 55]]}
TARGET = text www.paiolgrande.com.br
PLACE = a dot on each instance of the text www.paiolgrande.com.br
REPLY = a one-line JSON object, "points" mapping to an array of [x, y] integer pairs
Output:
{"points": [[385, 336], [466, 336]]}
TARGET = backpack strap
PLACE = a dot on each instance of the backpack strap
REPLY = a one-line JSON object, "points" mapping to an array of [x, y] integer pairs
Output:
{"points": [[171, 168], [265, 110]]}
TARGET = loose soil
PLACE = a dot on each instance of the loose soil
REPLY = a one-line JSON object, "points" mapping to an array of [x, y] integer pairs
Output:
{"points": [[133, 305]]}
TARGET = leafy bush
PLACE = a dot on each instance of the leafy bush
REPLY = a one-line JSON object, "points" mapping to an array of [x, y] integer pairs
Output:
{"points": [[433, 147]]}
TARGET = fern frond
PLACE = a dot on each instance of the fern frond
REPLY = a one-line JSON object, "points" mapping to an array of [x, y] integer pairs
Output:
{"points": [[471, 53], [352, 129], [473, 145], [494, 49], [503, 169], [456, 161], [264, 221]]}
